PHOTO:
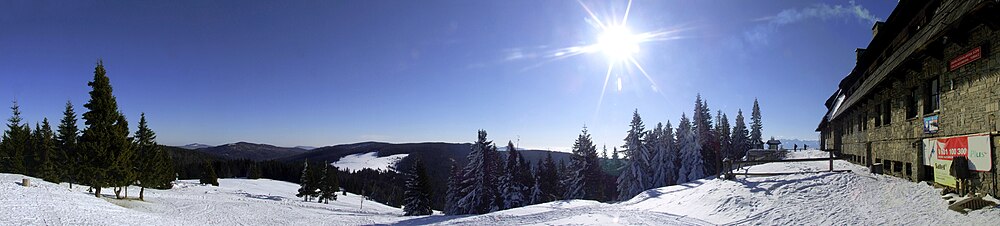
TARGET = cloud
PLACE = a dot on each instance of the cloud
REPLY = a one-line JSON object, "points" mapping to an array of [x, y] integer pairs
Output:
{"points": [[761, 33]]}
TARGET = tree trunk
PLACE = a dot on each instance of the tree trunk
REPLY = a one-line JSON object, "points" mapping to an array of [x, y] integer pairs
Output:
{"points": [[118, 192], [126, 191], [141, 190], [97, 192]]}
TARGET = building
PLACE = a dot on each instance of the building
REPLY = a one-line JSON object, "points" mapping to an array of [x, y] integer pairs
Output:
{"points": [[926, 89], [773, 144]]}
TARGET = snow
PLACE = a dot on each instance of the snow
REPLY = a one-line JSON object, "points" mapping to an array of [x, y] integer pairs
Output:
{"points": [[851, 198], [368, 160], [233, 202]]}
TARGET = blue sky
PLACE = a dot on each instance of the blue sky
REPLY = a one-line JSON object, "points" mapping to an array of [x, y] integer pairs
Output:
{"points": [[330, 72]]}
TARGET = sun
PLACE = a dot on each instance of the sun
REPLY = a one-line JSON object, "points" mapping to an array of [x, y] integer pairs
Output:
{"points": [[618, 43]]}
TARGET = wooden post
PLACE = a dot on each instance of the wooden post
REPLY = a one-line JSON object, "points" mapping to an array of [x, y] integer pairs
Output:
{"points": [[25, 182], [831, 160]]}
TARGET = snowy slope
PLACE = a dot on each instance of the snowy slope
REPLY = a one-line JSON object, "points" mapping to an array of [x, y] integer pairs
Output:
{"points": [[368, 160], [234, 202], [854, 198]]}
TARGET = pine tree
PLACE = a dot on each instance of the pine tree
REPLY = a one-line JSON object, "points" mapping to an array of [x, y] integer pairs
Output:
{"points": [[480, 185], [454, 193], [307, 187], [740, 138], [547, 181], [208, 175], [329, 185], [725, 136], [154, 166], [66, 138], [511, 185], [692, 165], [418, 191], [585, 177], [703, 128], [45, 149], [664, 156], [756, 126], [635, 178], [16, 140], [616, 161], [104, 143]]}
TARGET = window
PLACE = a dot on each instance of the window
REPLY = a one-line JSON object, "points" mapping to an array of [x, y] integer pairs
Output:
{"points": [[878, 115], [933, 101], [887, 112], [911, 104]]}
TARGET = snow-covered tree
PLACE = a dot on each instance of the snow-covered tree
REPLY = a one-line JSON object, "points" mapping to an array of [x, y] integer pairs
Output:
{"points": [[585, 179], [724, 133], [702, 125], [664, 156], [512, 188], [418, 191], [454, 193], [481, 185], [692, 165], [636, 175], [546, 187]]}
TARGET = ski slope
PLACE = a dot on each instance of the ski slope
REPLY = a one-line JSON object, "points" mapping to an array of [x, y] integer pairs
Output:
{"points": [[368, 160]]}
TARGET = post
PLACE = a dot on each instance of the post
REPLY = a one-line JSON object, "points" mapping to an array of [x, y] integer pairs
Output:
{"points": [[831, 160], [25, 182]]}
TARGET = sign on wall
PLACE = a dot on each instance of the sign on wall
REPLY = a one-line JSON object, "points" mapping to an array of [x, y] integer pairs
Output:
{"points": [[938, 153], [966, 58], [931, 124]]}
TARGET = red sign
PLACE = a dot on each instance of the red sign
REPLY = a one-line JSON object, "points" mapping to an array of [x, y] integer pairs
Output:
{"points": [[966, 58], [948, 148]]}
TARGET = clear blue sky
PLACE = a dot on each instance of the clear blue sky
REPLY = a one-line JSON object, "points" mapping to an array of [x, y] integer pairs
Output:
{"points": [[330, 72]]}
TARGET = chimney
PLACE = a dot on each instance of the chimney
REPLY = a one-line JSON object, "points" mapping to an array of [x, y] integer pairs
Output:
{"points": [[859, 52], [878, 24]]}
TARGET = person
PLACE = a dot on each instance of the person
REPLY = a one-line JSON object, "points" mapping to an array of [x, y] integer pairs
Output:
{"points": [[795, 147]]}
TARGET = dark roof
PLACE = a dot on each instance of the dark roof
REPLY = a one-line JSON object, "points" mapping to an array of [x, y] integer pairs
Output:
{"points": [[773, 141]]}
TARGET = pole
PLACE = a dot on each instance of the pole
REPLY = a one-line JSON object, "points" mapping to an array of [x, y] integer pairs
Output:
{"points": [[831, 160]]}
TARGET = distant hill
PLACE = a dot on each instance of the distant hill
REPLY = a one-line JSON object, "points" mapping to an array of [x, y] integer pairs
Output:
{"points": [[193, 146], [307, 148], [251, 151], [790, 143]]}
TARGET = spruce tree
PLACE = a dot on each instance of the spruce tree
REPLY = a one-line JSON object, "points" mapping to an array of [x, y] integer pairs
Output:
{"points": [[692, 164], [740, 138], [106, 154], [756, 126], [480, 185], [725, 136], [418, 191], [585, 181], [511, 185], [664, 155], [329, 185], [66, 138], [154, 166], [16, 140], [307, 187], [546, 182], [635, 178], [45, 153], [703, 128], [454, 193], [208, 175]]}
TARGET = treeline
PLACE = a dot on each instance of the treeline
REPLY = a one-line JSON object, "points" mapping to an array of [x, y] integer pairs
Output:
{"points": [[659, 157], [102, 155]]}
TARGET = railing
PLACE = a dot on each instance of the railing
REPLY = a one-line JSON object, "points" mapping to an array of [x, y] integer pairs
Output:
{"points": [[729, 166]]}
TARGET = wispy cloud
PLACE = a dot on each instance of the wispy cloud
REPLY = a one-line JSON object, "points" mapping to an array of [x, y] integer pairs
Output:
{"points": [[761, 33]]}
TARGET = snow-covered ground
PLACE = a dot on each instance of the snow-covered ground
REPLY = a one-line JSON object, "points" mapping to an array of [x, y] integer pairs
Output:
{"points": [[233, 202], [851, 198], [368, 160]]}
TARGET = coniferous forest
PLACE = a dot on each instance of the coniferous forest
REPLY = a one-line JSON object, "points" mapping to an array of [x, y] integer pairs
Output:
{"points": [[104, 154]]}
